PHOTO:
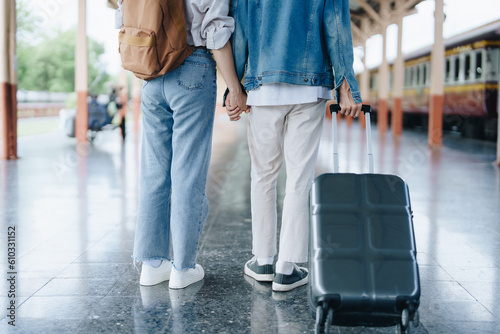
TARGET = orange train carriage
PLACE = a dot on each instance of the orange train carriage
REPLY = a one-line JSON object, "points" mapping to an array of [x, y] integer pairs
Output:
{"points": [[472, 69]]}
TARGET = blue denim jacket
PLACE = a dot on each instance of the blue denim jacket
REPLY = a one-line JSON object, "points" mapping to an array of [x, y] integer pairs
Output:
{"points": [[294, 42]]}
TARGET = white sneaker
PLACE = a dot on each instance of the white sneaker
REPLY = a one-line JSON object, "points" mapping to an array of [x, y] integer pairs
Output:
{"points": [[179, 297], [153, 276], [181, 279]]}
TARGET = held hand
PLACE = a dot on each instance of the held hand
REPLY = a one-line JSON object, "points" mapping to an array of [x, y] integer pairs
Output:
{"points": [[347, 105], [236, 104], [233, 111], [239, 98]]}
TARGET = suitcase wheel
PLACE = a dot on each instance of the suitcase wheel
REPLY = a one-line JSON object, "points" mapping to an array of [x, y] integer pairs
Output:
{"points": [[404, 326], [320, 321], [323, 325], [416, 319], [329, 320]]}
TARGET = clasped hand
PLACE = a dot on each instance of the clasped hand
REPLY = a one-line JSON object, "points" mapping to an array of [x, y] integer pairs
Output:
{"points": [[236, 104]]}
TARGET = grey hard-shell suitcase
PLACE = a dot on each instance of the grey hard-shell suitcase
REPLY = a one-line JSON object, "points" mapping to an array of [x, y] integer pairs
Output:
{"points": [[363, 267]]}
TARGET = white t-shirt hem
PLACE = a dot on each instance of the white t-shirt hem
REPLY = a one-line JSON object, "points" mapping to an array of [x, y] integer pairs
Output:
{"points": [[278, 94]]}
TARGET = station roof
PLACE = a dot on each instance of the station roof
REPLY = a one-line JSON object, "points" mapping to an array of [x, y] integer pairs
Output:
{"points": [[363, 7], [488, 31], [372, 11]]}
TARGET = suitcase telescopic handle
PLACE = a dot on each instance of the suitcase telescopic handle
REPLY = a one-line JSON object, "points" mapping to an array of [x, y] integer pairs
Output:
{"points": [[366, 109]]}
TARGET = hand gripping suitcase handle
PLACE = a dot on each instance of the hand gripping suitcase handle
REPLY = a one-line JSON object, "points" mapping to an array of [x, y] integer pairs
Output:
{"points": [[366, 109]]}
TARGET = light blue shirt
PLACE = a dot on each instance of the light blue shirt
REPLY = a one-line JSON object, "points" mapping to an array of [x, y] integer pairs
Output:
{"points": [[208, 23]]}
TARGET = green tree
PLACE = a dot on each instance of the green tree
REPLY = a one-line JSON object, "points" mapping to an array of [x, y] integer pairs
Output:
{"points": [[25, 22], [46, 60], [50, 64]]}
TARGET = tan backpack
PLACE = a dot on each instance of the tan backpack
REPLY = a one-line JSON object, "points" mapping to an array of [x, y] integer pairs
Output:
{"points": [[152, 41]]}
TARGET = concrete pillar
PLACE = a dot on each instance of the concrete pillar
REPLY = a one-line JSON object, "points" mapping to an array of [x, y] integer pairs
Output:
{"points": [[8, 80], [435, 137], [81, 74], [13, 77], [136, 100], [383, 74], [397, 85], [364, 82]]}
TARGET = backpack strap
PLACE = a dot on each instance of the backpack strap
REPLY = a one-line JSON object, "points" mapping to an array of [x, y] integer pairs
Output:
{"points": [[137, 40], [178, 19]]}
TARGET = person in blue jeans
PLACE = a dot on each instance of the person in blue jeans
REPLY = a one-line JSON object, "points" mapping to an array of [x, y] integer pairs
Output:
{"points": [[292, 54], [177, 119]]}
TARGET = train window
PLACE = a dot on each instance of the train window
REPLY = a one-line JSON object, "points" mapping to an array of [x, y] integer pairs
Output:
{"points": [[373, 82], [456, 67], [448, 70], [417, 80], [429, 72], [424, 75], [479, 65], [467, 67], [492, 64]]}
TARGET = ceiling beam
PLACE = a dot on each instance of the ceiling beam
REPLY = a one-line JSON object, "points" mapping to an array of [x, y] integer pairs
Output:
{"points": [[407, 6], [358, 32], [370, 11]]}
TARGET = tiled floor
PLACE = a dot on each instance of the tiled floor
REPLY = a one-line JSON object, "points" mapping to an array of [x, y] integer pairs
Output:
{"points": [[74, 210]]}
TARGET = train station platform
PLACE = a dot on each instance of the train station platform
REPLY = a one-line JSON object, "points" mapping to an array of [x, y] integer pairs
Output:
{"points": [[74, 209]]}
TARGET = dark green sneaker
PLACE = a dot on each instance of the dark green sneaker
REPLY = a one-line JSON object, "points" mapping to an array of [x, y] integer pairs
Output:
{"points": [[263, 273], [298, 277]]}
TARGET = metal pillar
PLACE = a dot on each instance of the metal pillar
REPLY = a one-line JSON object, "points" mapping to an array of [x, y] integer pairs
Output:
{"points": [[383, 74], [397, 86], [8, 80], [81, 74], [136, 99], [435, 136]]}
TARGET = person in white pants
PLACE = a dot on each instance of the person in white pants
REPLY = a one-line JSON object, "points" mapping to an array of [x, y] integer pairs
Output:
{"points": [[285, 124], [288, 52]]}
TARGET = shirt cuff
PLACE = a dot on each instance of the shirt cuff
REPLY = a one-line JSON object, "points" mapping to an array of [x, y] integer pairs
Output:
{"points": [[217, 39]]}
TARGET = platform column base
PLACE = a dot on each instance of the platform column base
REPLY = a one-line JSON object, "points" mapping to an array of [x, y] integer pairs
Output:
{"points": [[8, 120], [382, 116], [435, 138], [397, 117], [82, 117]]}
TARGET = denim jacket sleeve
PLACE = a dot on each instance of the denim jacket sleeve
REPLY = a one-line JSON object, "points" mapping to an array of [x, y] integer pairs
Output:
{"points": [[337, 32], [239, 41]]}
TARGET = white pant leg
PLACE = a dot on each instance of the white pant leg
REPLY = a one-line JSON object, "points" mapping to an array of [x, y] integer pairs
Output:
{"points": [[302, 133], [265, 141]]}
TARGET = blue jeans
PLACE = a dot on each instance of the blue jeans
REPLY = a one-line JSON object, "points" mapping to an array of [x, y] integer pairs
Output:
{"points": [[177, 120]]}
